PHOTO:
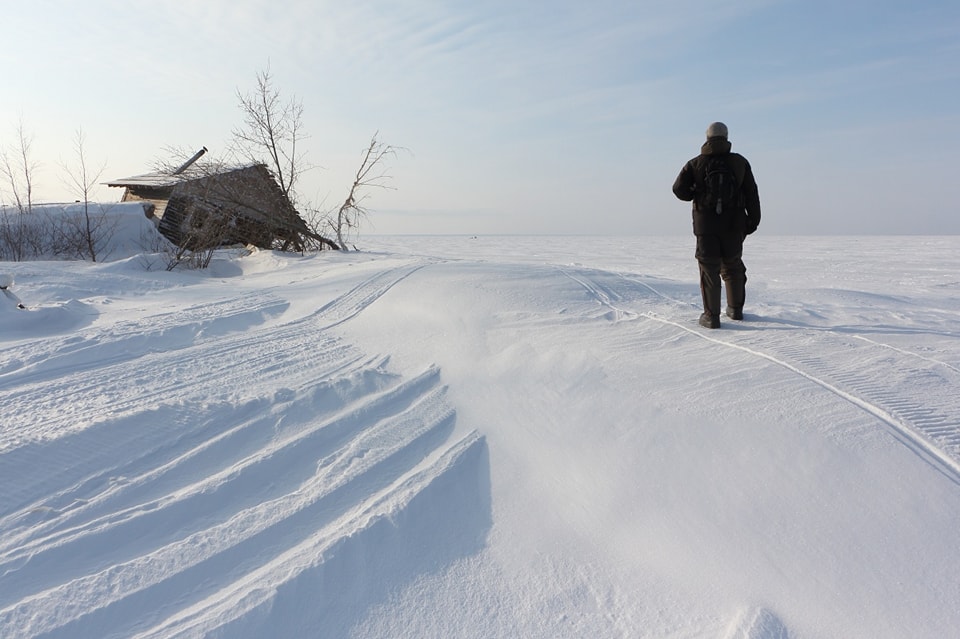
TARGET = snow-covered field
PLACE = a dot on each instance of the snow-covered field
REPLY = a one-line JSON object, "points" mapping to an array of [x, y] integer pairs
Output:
{"points": [[484, 437]]}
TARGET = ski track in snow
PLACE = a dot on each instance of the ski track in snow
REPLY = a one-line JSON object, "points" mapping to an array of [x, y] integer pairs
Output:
{"points": [[230, 502], [890, 383]]}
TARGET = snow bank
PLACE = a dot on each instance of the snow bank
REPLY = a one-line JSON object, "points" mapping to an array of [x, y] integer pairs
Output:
{"points": [[490, 437], [75, 231]]}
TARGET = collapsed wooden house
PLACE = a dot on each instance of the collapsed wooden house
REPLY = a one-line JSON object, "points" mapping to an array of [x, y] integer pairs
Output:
{"points": [[204, 206]]}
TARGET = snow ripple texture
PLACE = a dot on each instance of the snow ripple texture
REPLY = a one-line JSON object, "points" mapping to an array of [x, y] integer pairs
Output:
{"points": [[330, 475], [903, 388]]}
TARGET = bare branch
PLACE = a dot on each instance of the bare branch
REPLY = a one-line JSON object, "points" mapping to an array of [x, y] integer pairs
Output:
{"points": [[370, 174], [271, 132], [18, 168], [92, 231]]}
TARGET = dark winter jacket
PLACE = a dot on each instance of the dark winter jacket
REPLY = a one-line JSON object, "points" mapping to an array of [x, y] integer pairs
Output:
{"points": [[690, 184]]}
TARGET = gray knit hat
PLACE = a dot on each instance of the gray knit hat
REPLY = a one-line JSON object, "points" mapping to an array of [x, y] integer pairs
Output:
{"points": [[717, 130]]}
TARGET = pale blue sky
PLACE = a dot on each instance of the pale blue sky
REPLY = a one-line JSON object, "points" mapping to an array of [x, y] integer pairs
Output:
{"points": [[520, 117]]}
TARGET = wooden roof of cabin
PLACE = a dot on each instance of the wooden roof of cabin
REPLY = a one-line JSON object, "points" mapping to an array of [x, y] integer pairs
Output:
{"points": [[160, 180]]}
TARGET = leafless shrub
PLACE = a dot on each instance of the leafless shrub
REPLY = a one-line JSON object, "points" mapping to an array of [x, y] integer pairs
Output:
{"points": [[12, 235], [83, 235], [372, 174], [17, 169], [24, 236], [81, 231]]}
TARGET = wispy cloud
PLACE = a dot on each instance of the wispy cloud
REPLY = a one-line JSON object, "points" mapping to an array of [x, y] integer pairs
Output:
{"points": [[501, 101]]}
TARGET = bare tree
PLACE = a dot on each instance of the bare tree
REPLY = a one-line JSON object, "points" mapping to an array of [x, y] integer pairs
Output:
{"points": [[84, 235], [274, 128], [272, 133], [18, 169], [371, 174]]}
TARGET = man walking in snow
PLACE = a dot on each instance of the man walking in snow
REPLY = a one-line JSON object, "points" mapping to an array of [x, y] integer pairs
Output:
{"points": [[726, 208]]}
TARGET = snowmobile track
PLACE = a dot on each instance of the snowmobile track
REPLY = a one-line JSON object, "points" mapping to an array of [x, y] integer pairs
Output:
{"points": [[931, 434], [892, 392], [132, 376], [222, 491], [353, 302]]}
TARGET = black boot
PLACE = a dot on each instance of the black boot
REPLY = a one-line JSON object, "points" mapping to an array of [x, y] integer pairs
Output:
{"points": [[736, 286], [709, 321]]}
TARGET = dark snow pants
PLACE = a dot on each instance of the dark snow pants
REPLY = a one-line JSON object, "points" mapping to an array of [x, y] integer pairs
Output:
{"points": [[720, 257]]}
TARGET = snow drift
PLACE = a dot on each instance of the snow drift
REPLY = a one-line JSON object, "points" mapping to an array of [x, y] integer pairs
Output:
{"points": [[489, 437], [80, 230]]}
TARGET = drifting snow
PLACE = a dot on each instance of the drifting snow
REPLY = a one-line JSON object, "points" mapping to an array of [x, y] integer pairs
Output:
{"points": [[491, 437]]}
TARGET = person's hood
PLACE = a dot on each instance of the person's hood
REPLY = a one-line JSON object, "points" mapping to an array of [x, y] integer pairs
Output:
{"points": [[715, 146]]}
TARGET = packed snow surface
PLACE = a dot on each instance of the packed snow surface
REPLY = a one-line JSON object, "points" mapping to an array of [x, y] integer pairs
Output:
{"points": [[484, 437]]}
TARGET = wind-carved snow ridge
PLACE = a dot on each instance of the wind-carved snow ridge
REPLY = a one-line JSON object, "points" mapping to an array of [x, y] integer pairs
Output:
{"points": [[340, 480], [170, 508], [134, 364]]}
